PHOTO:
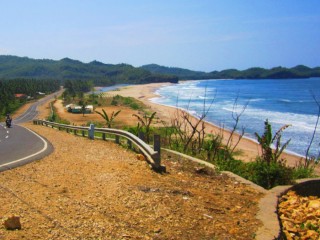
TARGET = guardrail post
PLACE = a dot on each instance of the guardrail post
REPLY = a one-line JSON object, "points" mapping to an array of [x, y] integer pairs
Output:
{"points": [[141, 135], [157, 148], [117, 139], [129, 143], [103, 136], [75, 132], [91, 131], [83, 133]]}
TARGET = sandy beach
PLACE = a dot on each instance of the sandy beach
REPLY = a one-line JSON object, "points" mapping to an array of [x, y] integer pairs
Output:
{"points": [[249, 148]]}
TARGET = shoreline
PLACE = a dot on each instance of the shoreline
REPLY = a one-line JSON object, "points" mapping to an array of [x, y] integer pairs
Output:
{"points": [[249, 148]]}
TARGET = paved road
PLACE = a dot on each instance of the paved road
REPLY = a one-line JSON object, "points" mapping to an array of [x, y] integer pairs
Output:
{"points": [[19, 145], [32, 112]]}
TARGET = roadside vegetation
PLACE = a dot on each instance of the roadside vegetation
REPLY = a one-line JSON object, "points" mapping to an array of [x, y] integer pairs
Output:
{"points": [[189, 135]]}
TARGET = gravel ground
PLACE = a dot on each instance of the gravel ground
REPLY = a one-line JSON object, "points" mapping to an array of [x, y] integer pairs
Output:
{"points": [[98, 190]]}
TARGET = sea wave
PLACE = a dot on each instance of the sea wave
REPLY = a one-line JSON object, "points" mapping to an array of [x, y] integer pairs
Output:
{"points": [[298, 112]]}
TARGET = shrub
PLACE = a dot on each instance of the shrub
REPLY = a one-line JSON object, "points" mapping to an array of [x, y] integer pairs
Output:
{"points": [[300, 172], [126, 101], [135, 106], [114, 102], [232, 165], [269, 175]]}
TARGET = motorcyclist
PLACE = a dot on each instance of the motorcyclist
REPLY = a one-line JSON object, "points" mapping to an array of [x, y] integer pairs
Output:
{"points": [[8, 120]]}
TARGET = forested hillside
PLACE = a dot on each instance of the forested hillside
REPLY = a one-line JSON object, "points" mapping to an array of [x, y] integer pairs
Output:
{"points": [[251, 73], [179, 72], [12, 67], [29, 87]]}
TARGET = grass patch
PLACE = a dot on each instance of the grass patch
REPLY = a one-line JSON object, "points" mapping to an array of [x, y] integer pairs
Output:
{"points": [[127, 101]]}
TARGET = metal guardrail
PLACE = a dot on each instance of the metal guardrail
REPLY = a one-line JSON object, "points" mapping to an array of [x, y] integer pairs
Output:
{"points": [[152, 155]]}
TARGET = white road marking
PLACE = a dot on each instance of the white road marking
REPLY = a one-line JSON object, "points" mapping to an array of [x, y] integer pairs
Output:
{"points": [[21, 159]]}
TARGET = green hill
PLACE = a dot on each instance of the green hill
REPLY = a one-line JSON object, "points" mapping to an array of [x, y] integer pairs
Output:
{"points": [[299, 71], [180, 72], [12, 67]]}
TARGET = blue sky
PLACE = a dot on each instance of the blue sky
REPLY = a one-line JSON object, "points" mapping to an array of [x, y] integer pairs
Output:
{"points": [[203, 35]]}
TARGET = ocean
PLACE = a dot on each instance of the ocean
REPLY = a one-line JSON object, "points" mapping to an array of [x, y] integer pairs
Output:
{"points": [[110, 88], [281, 101]]}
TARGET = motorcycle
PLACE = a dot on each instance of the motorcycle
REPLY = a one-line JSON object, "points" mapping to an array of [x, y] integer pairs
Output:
{"points": [[8, 123]]}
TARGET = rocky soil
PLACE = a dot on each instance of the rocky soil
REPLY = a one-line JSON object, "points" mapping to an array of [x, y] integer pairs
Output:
{"points": [[300, 216]]}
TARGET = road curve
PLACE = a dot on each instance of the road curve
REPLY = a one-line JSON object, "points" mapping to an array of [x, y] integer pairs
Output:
{"points": [[19, 145]]}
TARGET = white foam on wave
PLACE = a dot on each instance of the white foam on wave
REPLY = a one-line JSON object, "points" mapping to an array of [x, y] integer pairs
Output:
{"points": [[285, 100], [301, 122], [256, 100]]}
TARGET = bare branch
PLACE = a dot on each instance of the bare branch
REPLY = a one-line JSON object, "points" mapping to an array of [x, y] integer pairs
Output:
{"points": [[315, 128]]}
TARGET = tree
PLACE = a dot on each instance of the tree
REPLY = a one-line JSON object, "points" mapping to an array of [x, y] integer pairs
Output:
{"points": [[109, 120]]}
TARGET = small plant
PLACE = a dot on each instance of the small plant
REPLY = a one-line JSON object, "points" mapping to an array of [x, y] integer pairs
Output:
{"points": [[269, 170], [145, 122], [212, 145], [266, 141], [109, 120]]}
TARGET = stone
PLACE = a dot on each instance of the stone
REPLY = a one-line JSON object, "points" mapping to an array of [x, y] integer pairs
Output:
{"points": [[140, 157], [315, 204], [12, 223]]}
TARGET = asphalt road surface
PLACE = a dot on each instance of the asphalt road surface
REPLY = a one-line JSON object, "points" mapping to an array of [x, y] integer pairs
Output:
{"points": [[19, 145]]}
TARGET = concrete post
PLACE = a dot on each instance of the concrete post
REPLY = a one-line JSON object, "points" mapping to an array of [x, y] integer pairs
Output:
{"points": [[91, 131]]}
